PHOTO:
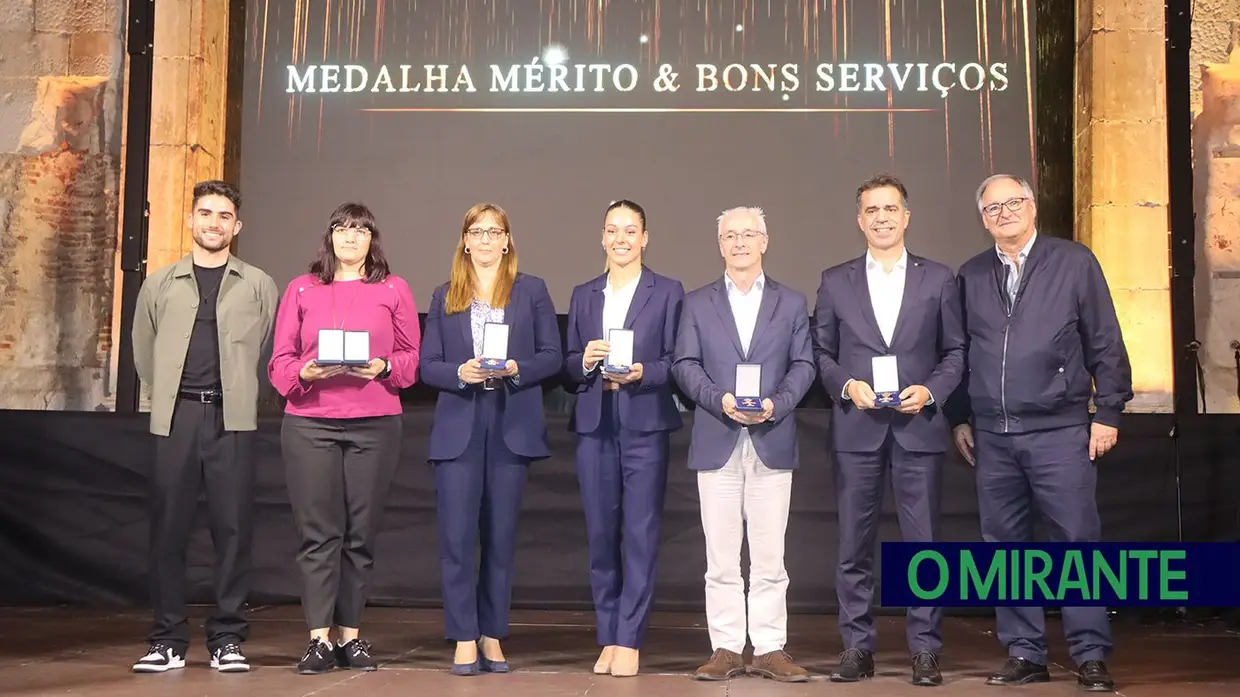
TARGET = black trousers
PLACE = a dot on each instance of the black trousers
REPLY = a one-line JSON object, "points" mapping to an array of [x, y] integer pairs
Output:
{"points": [[197, 455], [339, 472]]}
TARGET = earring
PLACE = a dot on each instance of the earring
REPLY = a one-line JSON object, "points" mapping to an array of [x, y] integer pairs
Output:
{"points": [[467, 250], [505, 249]]}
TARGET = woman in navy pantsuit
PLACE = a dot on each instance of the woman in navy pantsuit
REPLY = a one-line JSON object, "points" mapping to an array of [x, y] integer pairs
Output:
{"points": [[623, 422], [488, 427]]}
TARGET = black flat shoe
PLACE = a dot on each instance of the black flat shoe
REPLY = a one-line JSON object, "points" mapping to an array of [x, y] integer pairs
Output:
{"points": [[1093, 676], [1018, 671], [926, 670], [855, 665]]}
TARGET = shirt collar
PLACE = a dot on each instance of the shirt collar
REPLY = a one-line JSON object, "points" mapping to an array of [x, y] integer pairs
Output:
{"points": [[758, 283], [185, 266], [607, 289], [1024, 252], [900, 265]]}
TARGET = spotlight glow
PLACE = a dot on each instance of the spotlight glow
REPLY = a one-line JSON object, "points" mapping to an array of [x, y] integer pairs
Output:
{"points": [[555, 54]]}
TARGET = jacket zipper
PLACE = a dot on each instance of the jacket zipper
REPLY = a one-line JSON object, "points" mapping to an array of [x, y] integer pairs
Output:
{"points": [[1011, 307], [1003, 375]]}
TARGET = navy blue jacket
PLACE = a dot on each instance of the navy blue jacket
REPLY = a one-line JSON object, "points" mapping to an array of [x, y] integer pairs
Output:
{"points": [[928, 344], [654, 314], [533, 342], [1037, 367]]}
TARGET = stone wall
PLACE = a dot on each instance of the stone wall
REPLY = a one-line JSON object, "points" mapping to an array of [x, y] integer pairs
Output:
{"points": [[1216, 163], [61, 64], [61, 119], [1121, 178]]}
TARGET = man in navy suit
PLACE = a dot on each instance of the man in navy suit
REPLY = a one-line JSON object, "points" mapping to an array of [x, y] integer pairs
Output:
{"points": [[904, 310], [1043, 339], [745, 459]]}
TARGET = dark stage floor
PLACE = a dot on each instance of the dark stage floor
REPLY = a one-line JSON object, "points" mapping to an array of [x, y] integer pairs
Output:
{"points": [[82, 652]]}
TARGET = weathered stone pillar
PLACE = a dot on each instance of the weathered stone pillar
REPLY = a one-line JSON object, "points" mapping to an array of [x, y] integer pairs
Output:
{"points": [[1121, 177], [60, 64], [1217, 173], [188, 121]]}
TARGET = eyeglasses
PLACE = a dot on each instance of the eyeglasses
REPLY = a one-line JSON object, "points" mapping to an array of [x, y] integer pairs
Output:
{"points": [[1012, 204], [747, 235], [492, 233], [343, 231]]}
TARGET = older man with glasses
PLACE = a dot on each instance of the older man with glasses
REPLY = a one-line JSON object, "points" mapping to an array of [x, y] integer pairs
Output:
{"points": [[1043, 340]]}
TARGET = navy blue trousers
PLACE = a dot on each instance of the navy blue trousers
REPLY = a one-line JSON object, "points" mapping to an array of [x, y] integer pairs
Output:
{"points": [[623, 479], [1049, 470], [478, 498], [859, 484]]}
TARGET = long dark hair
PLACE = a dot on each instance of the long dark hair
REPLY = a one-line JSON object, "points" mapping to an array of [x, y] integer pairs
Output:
{"points": [[375, 268]]}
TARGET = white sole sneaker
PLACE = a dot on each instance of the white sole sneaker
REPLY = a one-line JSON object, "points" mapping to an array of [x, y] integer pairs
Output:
{"points": [[230, 667], [173, 664]]}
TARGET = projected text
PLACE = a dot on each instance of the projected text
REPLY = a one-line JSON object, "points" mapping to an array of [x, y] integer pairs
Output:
{"points": [[535, 77]]}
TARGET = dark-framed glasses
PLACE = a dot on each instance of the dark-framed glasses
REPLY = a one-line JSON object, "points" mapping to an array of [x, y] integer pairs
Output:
{"points": [[1012, 204]]}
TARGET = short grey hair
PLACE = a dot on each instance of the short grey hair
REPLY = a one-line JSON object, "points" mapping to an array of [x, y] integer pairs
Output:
{"points": [[756, 212], [999, 177]]}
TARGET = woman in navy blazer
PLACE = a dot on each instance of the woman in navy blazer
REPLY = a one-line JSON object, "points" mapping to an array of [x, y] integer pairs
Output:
{"points": [[488, 427], [623, 423]]}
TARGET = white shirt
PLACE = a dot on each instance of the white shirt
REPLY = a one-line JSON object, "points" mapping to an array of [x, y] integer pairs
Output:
{"points": [[886, 291], [616, 302], [745, 307], [886, 296]]}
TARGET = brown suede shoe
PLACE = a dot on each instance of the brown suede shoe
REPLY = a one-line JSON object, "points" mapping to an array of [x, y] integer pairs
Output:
{"points": [[723, 665], [778, 665]]}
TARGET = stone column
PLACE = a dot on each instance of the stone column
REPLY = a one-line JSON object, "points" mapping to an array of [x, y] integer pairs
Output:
{"points": [[1121, 178], [1217, 173], [187, 116], [1216, 167], [60, 67]]}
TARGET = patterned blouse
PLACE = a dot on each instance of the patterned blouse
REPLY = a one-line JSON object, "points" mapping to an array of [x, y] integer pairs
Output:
{"points": [[479, 314]]}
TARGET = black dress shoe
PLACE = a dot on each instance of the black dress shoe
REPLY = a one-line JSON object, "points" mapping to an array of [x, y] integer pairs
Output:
{"points": [[926, 670], [855, 664], [1019, 671], [1094, 677]]}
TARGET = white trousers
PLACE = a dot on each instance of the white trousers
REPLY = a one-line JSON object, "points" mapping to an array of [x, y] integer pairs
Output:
{"points": [[746, 496]]}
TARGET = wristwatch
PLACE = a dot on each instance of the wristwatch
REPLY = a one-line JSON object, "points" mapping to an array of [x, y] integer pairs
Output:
{"points": [[387, 368]]}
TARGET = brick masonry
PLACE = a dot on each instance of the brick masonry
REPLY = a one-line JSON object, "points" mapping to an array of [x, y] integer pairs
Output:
{"points": [[60, 125]]}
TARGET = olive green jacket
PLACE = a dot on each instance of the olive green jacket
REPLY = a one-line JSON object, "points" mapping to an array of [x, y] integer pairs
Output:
{"points": [[245, 314]]}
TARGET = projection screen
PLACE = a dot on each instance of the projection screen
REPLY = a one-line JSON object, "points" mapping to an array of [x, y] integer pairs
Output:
{"points": [[554, 108]]}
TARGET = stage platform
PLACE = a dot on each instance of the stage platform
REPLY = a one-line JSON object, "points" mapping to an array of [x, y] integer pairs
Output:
{"points": [[73, 513], [46, 652]]}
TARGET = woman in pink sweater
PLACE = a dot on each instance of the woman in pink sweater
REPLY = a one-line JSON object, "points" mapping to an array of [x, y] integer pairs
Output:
{"points": [[342, 426]]}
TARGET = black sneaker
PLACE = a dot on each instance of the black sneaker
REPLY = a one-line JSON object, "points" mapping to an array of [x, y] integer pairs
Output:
{"points": [[229, 659], [161, 658], [355, 655], [319, 658]]}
